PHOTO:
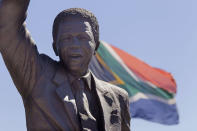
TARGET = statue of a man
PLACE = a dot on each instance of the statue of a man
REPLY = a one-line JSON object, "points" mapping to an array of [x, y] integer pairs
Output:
{"points": [[60, 95]]}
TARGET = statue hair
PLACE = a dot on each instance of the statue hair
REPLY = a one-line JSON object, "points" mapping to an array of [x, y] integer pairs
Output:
{"points": [[79, 12]]}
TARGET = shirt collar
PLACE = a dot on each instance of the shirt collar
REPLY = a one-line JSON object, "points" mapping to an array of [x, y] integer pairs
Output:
{"points": [[86, 78]]}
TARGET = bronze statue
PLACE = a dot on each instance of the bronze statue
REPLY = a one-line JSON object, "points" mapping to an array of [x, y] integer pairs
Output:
{"points": [[60, 95]]}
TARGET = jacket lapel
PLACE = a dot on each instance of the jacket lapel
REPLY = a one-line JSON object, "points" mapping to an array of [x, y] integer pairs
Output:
{"points": [[65, 94], [108, 102]]}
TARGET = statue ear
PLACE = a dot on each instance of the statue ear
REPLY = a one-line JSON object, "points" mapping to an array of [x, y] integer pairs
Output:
{"points": [[95, 49], [55, 49], [94, 52], [97, 46]]}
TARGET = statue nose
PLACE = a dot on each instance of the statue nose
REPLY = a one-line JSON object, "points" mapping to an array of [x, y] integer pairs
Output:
{"points": [[76, 41], [75, 44]]}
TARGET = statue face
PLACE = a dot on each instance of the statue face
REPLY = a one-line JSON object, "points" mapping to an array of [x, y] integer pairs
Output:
{"points": [[75, 44]]}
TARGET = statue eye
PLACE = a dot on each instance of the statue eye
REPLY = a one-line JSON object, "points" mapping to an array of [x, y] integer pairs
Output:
{"points": [[67, 38], [83, 38]]}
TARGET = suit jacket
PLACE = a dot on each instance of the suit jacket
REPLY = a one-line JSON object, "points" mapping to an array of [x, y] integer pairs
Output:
{"points": [[43, 83]]}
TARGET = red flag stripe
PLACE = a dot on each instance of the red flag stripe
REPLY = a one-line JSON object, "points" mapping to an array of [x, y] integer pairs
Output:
{"points": [[156, 76]]}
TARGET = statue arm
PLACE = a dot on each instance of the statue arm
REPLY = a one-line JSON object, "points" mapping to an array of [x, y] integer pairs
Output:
{"points": [[16, 46]]}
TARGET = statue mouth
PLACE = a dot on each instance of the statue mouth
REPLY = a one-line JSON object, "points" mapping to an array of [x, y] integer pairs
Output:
{"points": [[75, 56]]}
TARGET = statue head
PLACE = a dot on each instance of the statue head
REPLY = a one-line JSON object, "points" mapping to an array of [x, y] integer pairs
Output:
{"points": [[75, 38]]}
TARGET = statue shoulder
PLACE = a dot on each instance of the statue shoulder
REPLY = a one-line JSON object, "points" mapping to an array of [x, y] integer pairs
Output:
{"points": [[120, 91], [48, 64], [116, 89], [46, 58]]}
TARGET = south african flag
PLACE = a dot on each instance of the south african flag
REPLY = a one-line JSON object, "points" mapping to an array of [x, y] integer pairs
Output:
{"points": [[151, 90]]}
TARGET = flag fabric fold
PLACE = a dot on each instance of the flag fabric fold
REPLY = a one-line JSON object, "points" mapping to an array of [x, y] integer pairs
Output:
{"points": [[151, 90]]}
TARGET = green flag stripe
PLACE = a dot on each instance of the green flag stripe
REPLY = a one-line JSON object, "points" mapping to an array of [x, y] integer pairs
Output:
{"points": [[131, 85]]}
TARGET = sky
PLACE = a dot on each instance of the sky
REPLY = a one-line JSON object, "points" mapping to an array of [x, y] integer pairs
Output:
{"points": [[163, 33]]}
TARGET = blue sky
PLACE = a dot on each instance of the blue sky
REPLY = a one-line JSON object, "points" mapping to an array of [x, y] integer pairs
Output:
{"points": [[163, 33]]}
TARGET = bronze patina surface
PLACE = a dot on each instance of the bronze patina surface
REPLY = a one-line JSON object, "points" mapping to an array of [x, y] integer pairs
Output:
{"points": [[60, 95]]}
